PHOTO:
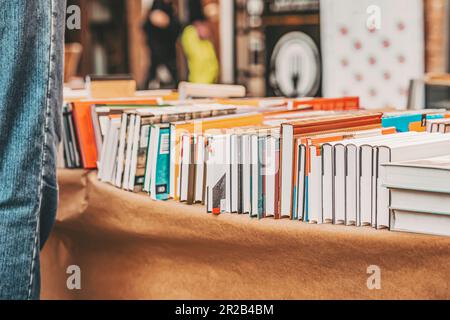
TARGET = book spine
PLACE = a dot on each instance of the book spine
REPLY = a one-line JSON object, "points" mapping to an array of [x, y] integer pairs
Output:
{"points": [[162, 165], [68, 160], [191, 175], [141, 157], [261, 177]]}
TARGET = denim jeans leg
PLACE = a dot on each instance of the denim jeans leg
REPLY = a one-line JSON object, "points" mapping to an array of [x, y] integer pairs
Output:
{"points": [[31, 59]]}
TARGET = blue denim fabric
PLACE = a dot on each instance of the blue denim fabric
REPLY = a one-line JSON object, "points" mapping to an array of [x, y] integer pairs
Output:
{"points": [[31, 59]]}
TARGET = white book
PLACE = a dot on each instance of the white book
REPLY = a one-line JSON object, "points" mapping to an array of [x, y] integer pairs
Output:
{"points": [[121, 151], [365, 185], [112, 156], [172, 186], [368, 190], [227, 164], [315, 187], [129, 147], [345, 176], [104, 125], [107, 155], [185, 163], [419, 222], [246, 173], [431, 145], [234, 173], [428, 174], [301, 181], [150, 156], [216, 174], [134, 153], [287, 158], [209, 159], [420, 201], [103, 151], [200, 168], [352, 185], [111, 150], [374, 187], [340, 196], [270, 174], [356, 167], [328, 180], [327, 185]]}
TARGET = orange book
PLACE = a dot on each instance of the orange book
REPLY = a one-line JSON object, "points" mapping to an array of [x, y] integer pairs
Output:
{"points": [[417, 126], [335, 122], [85, 129], [336, 104]]}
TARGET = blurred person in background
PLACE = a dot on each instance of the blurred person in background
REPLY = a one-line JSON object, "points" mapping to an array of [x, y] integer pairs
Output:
{"points": [[198, 46], [162, 29]]}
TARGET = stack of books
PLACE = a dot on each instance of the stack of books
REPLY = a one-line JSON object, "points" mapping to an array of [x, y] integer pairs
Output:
{"points": [[420, 195], [311, 160]]}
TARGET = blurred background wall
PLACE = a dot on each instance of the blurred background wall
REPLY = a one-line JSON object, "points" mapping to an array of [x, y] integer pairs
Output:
{"points": [[255, 41]]}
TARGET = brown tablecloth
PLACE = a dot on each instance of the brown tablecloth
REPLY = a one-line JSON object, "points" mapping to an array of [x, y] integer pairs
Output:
{"points": [[130, 247]]}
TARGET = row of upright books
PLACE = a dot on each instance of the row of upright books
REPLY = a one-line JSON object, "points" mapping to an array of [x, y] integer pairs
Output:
{"points": [[317, 161]]}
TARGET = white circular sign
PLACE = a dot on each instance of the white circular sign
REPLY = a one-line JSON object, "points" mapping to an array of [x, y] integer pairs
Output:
{"points": [[295, 66]]}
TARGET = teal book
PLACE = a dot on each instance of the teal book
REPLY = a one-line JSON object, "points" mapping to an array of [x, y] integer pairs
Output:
{"points": [[402, 122], [161, 177]]}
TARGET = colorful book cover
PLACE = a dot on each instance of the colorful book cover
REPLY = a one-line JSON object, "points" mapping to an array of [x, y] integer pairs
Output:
{"points": [[85, 129], [404, 123], [162, 176], [143, 141]]}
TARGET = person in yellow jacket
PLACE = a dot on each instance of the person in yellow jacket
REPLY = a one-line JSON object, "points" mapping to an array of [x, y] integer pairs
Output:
{"points": [[198, 48]]}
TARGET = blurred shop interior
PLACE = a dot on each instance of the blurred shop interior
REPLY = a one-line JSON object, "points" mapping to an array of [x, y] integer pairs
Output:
{"points": [[292, 48]]}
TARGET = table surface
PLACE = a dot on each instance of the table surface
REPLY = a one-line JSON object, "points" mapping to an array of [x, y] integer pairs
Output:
{"points": [[129, 246]]}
